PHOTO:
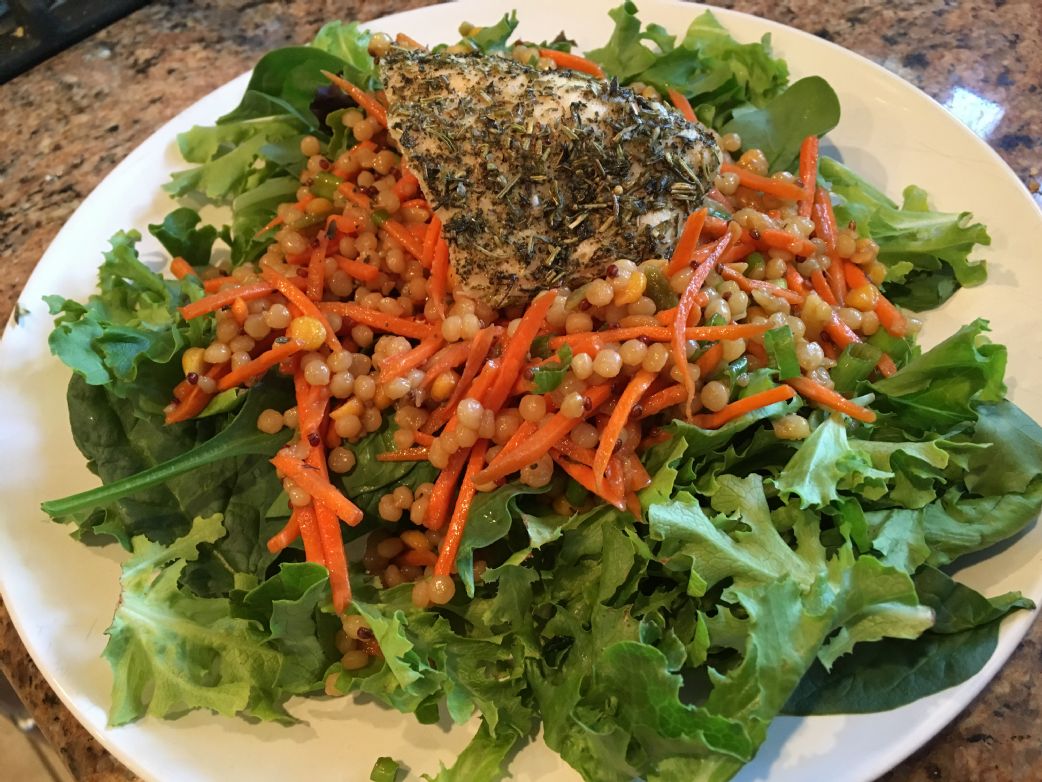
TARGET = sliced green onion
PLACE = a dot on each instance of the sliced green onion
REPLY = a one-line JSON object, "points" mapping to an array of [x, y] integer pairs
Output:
{"points": [[325, 184], [781, 350], [755, 261], [384, 770], [658, 288], [855, 364], [380, 217], [575, 493]]}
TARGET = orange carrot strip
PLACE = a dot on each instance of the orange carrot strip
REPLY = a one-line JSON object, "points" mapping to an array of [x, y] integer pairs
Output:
{"points": [[687, 242], [357, 269], [329, 534], [808, 173], [540, 442], [619, 416], [372, 106], [444, 488], [843, 335], [239, 310], [311, 406], [682, 104], [438, 283], [380, 321], [795, 280], [756, 350], [400, 234], [661, 334], [748, 285], [583, 475], [815, 392], [449, 548], [444, 360], [197, 399], [715, 227], [430, 241], [787, 191], [310, 479], [821, 287], [285, 536], [660, 400], [636, 475], [404, 455], [213, 284], [575, 452], [317, 270], [308, 524], [710, 360], [181, 268], [215, 301], [783, 240], [836, 275], [743, 406], [352, 194], [479, 350], [517, 350], [276, 220], [687, 301], [890, 317], [299, 300], [259, 365], [424, 439], [418, 558], [400, 364], [406, 185], [573, 62]]}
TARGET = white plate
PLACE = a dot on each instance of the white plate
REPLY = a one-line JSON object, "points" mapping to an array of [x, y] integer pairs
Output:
{"points": [[61, 594]]}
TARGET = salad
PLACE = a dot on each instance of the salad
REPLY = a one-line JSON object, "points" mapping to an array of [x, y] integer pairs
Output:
{"points": [[560, 390]]}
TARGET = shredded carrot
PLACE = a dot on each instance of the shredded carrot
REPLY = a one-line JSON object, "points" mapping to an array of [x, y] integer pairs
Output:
{"points": [[512, 459], [444, 360], [795, 280], [682, 104], [259, 365], [406, 185], [308, 524], [843, 335], [783, 240], [275, 221], [352, 194], [808, 173], [438, 283], [815, 392], [660, 400], [215, 301], [214, 284], [687, 301], [404, 455], [400, 234], [575, 452], [583, 475], [517, 350], [197, 399], [357, 269], [715, 227], [321, 490], [636, 475], [748, 285], [836, 277], [709, 361], [300, 300], [181, 268], [444, 488], [312, 402], [661, 334], [756, 350], [424, 439], [787, 191], [743, 406], [400, 364], [480, 347], [372, 106], [417, 203], [890, 317], [430, 241], [619, 416], [239, 310], [330, 537], [317, 269], [573, 62], [821, 287], [375, 319], [688, 241], [449, 548], [285, 536]]}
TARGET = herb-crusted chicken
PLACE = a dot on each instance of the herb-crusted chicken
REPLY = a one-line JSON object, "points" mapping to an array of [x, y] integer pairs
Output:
{"points": [[541, 178]]}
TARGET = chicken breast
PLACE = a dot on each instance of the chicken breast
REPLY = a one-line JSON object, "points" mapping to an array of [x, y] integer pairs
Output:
{"points": [[542, 178]]}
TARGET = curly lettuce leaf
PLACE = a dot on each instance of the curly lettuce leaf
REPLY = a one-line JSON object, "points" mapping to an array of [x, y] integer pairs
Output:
{"points": [[927, 253]]}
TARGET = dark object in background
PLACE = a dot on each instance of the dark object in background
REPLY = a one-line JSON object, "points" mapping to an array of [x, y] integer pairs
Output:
{"points": [[33, 30]]}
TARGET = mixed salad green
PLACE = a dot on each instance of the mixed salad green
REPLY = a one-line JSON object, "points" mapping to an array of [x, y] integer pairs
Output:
{"points": [[766, 576]]}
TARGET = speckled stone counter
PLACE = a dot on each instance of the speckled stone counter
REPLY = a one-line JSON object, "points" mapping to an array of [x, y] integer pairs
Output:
{"points": [[65, 125]]}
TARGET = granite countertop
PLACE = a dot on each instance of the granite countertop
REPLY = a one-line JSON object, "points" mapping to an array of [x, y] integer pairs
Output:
{"points": [[66, 124]]}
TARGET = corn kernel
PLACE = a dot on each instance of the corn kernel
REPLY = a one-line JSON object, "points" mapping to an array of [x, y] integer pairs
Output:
{"points": [[309, 331]]}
